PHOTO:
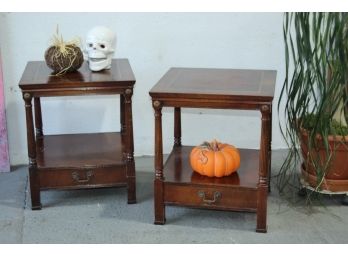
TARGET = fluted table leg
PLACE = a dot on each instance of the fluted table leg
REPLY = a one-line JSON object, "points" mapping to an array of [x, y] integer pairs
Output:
{"points": [[128, 120], [33, 172], [158, 184], [262, 186]]}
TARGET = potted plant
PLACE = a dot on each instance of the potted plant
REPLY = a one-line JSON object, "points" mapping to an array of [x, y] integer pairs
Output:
{"points": [[315, 101]]}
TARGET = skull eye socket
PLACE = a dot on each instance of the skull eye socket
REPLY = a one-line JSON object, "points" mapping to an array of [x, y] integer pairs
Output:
{"points": [[102, 46], [90, 45]]}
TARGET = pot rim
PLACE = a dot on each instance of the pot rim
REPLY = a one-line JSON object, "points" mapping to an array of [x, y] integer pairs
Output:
{"points": [[331, 138]]}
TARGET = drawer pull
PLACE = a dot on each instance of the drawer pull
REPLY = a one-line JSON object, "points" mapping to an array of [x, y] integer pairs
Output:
{"points": [[76, 177], [217, 196]]}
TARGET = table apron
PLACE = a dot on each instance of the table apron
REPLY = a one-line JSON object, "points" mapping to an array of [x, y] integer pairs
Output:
{"points": [[212, 104], [75, 91]]}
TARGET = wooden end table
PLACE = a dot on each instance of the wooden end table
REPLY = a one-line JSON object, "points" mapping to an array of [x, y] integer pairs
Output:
{"points": [[175, 182], [75, 161]]}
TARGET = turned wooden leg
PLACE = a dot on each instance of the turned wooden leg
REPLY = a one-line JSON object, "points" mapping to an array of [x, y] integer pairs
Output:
{"points": [[159, 179], [34, 188], [177, 126], [177, 138], [38, 117], [33, 172], [262, 186], [122, 114], [129, 146], [270, 152]]}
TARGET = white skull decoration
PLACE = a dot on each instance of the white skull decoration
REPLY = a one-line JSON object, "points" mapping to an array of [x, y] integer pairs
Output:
{"points": [[100, 47]]}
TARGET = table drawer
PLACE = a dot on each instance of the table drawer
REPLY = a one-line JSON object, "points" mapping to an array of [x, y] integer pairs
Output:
{"points": [[82, 178], [213, 197]]}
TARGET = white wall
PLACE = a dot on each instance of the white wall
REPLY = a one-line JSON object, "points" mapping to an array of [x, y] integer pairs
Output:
{"points": [[153, 42]]}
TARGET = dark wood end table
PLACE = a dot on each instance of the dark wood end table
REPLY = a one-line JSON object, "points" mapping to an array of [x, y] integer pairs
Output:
{"points": [[78, 161], [175, 182]]}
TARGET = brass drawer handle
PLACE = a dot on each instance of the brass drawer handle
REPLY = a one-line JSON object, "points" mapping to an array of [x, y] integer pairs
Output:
{"points": [[217, 196], [76, 177]]}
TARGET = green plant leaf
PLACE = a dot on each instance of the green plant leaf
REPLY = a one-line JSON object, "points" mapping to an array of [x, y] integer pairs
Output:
{"points": [[315, 86]]}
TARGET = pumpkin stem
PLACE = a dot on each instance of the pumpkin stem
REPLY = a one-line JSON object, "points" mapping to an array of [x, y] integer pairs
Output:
{"points": [[212, 146], [215, 145], [205, 144]]}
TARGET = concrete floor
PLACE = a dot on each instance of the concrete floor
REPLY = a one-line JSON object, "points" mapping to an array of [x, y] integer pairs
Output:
{"points": [[103, 216]]}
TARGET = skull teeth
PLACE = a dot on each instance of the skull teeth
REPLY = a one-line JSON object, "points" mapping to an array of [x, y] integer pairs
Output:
{"points": [[97, 59]]}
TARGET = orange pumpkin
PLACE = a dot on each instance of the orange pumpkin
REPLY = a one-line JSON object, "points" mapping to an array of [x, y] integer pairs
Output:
{"points": [[215, 159]]}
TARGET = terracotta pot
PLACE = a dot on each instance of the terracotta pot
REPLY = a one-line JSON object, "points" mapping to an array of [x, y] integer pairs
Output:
{"points": [[336, 177]]}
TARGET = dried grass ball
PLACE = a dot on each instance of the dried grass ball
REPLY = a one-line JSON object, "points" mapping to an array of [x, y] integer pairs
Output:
{"points": [[64, 58]]}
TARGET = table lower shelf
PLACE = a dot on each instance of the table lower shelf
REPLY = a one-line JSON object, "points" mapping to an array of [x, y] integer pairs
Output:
{"points": [[81, 161], [80, 150], [183, 186]]}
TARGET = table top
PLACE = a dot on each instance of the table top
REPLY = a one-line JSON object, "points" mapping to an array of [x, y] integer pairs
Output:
{"points": [[37, 75], [207, 83]]}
